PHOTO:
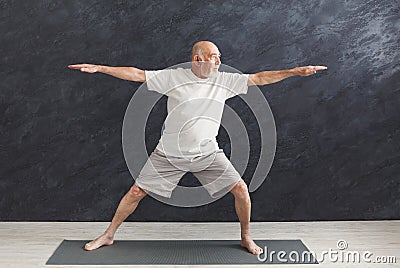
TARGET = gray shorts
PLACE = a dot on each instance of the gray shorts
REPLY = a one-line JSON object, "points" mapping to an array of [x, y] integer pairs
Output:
{"points": [[161, 174]]}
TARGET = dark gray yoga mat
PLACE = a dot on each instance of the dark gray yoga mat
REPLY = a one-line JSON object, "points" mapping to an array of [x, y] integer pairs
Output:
{"points": [[71, 252]]}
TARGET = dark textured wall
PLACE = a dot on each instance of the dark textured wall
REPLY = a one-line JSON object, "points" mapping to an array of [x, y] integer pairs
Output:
{"points": [[338, 132]]}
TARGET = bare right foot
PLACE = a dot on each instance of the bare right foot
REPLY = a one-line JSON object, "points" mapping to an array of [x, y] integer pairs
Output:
{"points": [[103, 240]]}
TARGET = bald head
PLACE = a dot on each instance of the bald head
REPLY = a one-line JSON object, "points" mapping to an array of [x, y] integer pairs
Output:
{"points": [[205, 59], [203, 49]]}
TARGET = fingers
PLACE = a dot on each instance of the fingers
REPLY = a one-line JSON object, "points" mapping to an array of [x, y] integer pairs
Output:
{"points": [[310, 70], [318, 68], [79, 66], [76, 66], [89, 68], [314, 69]]}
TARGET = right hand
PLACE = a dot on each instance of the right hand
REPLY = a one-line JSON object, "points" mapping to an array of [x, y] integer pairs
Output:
{"points": [[88, 68], [308, 70]]}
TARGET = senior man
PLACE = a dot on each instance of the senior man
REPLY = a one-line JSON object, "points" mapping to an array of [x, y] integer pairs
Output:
{"points": [[196, 98]]}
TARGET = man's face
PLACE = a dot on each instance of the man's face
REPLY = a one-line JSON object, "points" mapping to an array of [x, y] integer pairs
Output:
{"points": [[211, 62]]}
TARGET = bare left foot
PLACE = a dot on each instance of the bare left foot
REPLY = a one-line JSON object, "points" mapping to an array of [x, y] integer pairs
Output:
{"points": [[251, 246]]}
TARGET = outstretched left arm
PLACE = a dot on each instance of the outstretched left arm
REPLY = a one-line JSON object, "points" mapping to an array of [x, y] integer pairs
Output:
{"points": [[269, 77]]}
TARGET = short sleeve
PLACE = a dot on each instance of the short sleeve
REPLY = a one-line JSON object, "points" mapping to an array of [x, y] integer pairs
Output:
{"points": [[236, 84], [158, 80]]}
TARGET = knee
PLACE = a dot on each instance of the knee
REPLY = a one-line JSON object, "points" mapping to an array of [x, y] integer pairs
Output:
{"points": [[136, 192], [240, 189]]}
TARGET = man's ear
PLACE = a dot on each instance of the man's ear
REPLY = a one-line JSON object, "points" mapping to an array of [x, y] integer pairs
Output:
{"points": [[197, 60]]}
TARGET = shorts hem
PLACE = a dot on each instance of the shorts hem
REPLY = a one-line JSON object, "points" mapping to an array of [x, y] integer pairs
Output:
{"points": [[148, 189], [229, 187]]}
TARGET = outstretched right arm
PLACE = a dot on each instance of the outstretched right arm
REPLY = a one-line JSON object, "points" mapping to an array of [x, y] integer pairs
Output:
{"points": [[125, 73]]}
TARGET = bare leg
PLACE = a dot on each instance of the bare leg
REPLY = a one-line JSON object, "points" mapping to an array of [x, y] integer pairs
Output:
{"points": [[125, 208], [243, 209]]}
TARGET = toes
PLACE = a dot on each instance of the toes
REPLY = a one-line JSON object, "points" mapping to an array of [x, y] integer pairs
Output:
{"points": [[252, 247], [89, 246], [257, 250]]}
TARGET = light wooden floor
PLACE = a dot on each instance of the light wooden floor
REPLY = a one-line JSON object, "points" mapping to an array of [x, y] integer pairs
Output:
{"points": [[30, 244]]}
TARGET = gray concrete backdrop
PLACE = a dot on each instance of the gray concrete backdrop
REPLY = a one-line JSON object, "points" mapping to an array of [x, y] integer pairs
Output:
{"points": [[338, 132]]}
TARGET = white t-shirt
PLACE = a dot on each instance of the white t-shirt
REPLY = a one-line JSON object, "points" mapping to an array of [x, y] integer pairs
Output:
{"points": [[195, 107]]}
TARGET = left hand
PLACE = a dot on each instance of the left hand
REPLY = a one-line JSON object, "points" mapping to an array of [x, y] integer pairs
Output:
{"points": [[308, 70]]}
